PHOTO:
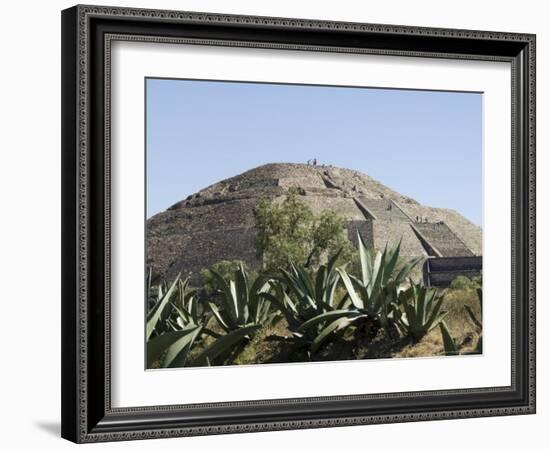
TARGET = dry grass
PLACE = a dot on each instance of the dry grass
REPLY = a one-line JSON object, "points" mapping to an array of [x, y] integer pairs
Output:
{"points": [[263, 348]]}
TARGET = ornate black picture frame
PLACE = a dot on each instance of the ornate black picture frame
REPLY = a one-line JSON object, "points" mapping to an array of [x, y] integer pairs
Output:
{"points": [[87, 414]]}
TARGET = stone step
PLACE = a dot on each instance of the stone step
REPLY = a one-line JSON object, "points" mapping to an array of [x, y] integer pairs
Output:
{"points": [[381, 209], [439, 236]]}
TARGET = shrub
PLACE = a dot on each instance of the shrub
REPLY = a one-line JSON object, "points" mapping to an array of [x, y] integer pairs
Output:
{"points": [[463, 283]]}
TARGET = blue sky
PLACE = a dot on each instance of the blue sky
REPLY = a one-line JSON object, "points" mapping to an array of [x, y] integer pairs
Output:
{"points": [[423, 144]]}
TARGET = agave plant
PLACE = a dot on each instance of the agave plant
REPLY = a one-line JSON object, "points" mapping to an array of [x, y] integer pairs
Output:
{"points": [[174, 323], [371, 294], [243, 311], [419, 311], [312, 294], [308, 303], [368, 298]]}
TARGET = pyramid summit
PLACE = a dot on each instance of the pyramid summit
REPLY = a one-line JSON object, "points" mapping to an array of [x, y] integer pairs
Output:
{"points": [[217, 223]]}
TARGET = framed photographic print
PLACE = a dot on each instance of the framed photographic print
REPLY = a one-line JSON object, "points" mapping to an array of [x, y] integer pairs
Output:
{"points": [[278, 223]]}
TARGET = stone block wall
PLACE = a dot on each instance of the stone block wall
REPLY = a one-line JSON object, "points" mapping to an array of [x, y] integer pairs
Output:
{"points": [[441, 271], [205, 249], [364, 228]]}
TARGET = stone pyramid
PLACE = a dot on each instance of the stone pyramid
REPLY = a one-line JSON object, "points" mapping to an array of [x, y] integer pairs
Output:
{"points": [[217, 222]]}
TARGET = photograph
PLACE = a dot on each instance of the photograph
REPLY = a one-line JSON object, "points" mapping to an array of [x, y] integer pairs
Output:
{"points": [[310, 223], [293, 220]]}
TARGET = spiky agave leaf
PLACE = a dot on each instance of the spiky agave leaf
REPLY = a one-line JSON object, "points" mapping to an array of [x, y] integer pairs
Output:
{"points": [[286, 307], [329, 281], [221, 317], [223, 345], [472, 316], [176, 354], [242, 303], [227, 294], [298, 284], [174, 323], [331, 328], [449, 344], [328, 316], [477, 323], [365, 259], [258, 306], [471, 313], [350, 288], [157, 346], [307, 301], [244, 309], [155, 314], [315, 291], [406, 270]]}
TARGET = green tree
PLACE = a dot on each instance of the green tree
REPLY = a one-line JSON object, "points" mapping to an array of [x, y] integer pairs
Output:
{"points": [[329, 237], [289, 231]]}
